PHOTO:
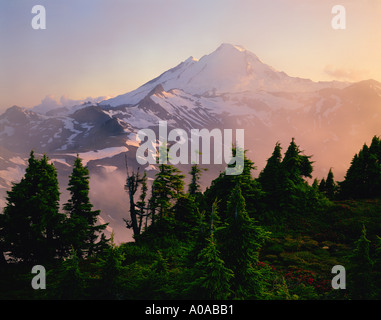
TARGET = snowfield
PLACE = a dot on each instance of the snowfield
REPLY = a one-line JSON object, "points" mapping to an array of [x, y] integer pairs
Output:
{"points": [[99, 154]]}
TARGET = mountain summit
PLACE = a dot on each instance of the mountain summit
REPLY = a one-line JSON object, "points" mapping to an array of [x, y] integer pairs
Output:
{"points": [[230, 88], [229, 69]]}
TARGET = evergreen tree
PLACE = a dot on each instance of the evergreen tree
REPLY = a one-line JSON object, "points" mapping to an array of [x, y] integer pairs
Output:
{"points": [[250, 189], [377, 269], [359, 273], [270, 176], [186, 217], [315, 185], [213, 277], [353, 184], [82, 223], [330, 185], [296, 197], [273, 182], [68, 280], [160, 280], [322, 186], [200, 236], [363, 178], [296, 166], [241, 240], [167, 187], [111, 272], [283, 182], [32, 226], [194, 186]]}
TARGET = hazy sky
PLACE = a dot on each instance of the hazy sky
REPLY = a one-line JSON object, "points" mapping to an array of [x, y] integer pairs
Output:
{"points": [[109, 47]]}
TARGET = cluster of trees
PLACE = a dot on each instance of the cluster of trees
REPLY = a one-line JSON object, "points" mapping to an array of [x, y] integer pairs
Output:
{"points": [[280, 189], [32, 228], [223, 228], [283, 181], [363, 178], [328, 186], [188, 243]]}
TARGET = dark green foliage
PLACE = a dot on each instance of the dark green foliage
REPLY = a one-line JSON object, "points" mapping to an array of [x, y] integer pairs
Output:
{"points": [[287, 195], [322, 186], [275, 237], [167, 186], [360, 271], [270, 176], [200, 235], [194, 186], [296, 166], [111, 272], [82, 227], [241, 240], [377, 269], [68, 282], [32, 226], [212, 277], [273, 182], [363, 178], [160, 277], [328, 186], [224, 184], [185, 216]]}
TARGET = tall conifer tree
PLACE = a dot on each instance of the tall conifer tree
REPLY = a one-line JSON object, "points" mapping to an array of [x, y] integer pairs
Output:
{"points": [[83, 227], [250, 188], [330, 185], [214, 277], [32, 225], [241, 240], [363, 178], [167, 186], [194, 186], [270, 176], [360, 271], [295, 165]]}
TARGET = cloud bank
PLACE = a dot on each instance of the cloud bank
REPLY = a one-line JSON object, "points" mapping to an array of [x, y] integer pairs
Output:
{"points": [[346, 74], [51, 102]]}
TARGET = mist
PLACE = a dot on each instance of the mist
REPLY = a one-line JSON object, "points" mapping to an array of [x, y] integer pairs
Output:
{"points": [[108, 195]]}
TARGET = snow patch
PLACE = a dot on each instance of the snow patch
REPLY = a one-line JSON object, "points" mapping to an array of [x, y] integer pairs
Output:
{"points": [[69, 125], [9, 131], [102, 221], [18, 160], [99, 154], [62, 161]]}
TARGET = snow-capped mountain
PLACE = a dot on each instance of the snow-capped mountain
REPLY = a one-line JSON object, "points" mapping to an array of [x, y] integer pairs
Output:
{"points": [[229, 88], [229, 69]]}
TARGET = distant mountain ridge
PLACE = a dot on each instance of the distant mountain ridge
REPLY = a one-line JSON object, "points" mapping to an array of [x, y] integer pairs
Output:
{"points": [[228, 88]]}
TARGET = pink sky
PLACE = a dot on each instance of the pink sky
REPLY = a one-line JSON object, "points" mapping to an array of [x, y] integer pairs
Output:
{"points": [[94, 48]]}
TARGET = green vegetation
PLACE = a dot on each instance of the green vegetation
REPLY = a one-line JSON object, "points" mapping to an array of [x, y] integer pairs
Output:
{"points": [[268, 238]]}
